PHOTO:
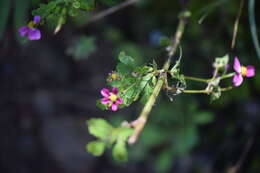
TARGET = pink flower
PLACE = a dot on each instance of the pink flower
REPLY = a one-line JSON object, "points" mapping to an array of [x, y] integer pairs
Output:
{"points": [[30, 31], [111, 99], [242, 71]]}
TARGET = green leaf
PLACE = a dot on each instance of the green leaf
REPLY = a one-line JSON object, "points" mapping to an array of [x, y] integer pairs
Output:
{"points": [[125, 59], [82, 48], [4, 13], [124, 133], [123, 69], [119, 152], [99, 128], [96, 148]]}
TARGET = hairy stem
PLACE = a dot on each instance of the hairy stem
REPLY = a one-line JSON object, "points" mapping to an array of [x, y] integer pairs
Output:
{"points": [[139, 123]]}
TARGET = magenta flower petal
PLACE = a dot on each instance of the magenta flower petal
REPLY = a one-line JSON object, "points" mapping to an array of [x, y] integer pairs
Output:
{"points": [[34, 34], [237, 79], [105, 101], [23, 30], [114, 107], [119, 101], [36, 19], [237, 65], [250, 71], [115, 91], [105, 92]]}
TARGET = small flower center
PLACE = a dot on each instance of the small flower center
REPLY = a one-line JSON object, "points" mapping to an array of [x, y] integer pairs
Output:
{"points": [[113, 97], [31, 24], [113, 76], [243, 71]]}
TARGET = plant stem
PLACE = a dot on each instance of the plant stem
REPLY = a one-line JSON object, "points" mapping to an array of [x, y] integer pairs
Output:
{"points": [[227, 75], [197, 79], [205, 91], [196, 91], [227, 88], [139, 123]]}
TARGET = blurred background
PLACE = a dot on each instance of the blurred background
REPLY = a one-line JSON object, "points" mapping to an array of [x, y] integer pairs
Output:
{"points": [[49, 88]]}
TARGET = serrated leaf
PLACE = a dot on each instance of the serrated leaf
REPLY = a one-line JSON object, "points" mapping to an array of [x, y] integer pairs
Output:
{"points": [[96, 148], [99, 128], [119, 152]]}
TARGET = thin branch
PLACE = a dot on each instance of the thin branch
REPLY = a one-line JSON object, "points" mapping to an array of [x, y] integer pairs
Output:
{"points": [[110, 11], [235, 29], [242, 158], [140, 122]]}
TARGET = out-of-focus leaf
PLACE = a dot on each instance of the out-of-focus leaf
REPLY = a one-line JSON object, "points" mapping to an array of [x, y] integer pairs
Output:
{"points": [[96, 148], [164, 161], [82, 48], [203, 118], [4, 13], [125, 59]]}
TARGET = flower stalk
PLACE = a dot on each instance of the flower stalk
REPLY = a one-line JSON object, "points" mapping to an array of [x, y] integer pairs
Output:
{"points": [[140, 122]]}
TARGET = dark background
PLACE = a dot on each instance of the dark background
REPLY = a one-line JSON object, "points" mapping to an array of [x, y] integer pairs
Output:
{"points": [[47, 92]]}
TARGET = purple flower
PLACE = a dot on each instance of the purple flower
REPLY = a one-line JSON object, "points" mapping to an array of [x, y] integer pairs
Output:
{"points": [[30, 31], [111, 99], [242, 71]]}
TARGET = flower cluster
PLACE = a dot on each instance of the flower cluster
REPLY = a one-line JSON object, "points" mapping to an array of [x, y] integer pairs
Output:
{"points": [[30, 31], [111, 99], [242, 71]]}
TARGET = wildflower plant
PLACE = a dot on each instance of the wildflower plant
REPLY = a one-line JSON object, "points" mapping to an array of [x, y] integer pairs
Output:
{"points": [[130, 82]]}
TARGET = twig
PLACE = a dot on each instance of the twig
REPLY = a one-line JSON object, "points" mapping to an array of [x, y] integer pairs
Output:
{"points": [[140, 122], [235, 29], [242, 158], [110, 11]]}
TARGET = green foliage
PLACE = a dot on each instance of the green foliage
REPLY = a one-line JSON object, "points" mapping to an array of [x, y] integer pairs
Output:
{"points": [[56, 11], [108, 136], [96, 148], [135, 81], [82, 48]]}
